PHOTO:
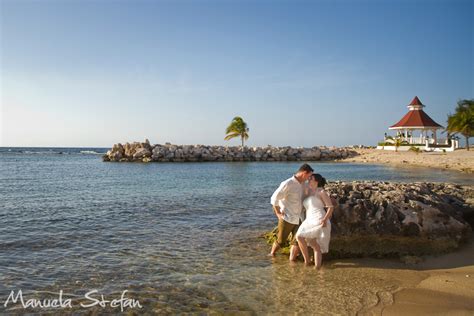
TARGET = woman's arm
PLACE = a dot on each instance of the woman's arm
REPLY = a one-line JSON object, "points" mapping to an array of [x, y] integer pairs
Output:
{"points": [[327, 202]]}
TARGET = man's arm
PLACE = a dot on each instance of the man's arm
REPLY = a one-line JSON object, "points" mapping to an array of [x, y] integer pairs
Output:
{"points": [[277, 196], [277, 211]]}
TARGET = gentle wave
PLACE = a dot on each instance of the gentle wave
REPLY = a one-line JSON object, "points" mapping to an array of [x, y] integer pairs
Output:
{"points": [[41, 152], [53, 151], [90, 152]]}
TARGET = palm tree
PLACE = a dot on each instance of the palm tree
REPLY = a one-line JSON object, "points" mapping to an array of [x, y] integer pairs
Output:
{"points": [[463, 120], [237, 128], [399, 142]]}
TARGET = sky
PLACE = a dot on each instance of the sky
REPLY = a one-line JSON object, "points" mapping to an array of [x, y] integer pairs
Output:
{"points": [[301, 73]]}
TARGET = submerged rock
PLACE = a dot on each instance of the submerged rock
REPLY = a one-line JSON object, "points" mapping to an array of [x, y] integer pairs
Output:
{"points": [[382, 219]]}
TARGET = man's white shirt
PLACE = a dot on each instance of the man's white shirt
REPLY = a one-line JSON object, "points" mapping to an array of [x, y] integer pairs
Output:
{"points": [[289, 197]]}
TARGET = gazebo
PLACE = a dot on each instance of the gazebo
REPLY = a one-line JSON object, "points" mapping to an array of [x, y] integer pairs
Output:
{"points": [[417, 120]]}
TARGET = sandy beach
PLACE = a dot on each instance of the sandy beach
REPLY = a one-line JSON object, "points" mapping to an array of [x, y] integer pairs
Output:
{"points": [[459, 160], [448, 289]]}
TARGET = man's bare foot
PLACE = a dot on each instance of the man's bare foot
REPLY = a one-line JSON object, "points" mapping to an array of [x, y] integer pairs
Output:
{"points": [[271, 255]]}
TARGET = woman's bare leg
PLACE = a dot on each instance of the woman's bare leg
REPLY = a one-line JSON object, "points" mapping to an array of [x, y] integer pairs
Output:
{"points": [[304, 249], [318, 257]]}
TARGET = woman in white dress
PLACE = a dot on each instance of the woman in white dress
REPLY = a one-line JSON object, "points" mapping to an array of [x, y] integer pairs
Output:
{"points": [[315, 231]]}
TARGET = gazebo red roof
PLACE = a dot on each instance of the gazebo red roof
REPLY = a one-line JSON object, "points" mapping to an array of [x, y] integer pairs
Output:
{"points": [[416, 118], [416, 101]]}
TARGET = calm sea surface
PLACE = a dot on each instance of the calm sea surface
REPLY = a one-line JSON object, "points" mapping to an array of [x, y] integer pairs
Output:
{"points": [[180, 237]]}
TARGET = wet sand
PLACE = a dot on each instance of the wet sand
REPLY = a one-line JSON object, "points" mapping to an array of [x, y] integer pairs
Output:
{"points": [[459, 160], [432, 285], [448, 289]]}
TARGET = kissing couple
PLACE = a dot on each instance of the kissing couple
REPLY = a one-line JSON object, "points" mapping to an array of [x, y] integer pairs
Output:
{"points": [[303, 189]]}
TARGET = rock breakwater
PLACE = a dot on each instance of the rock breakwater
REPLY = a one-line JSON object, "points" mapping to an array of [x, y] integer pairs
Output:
{"points": [[145, 152]]}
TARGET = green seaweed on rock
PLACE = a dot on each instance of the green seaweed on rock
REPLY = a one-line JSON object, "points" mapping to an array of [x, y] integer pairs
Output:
{"points": [[377, 246]]}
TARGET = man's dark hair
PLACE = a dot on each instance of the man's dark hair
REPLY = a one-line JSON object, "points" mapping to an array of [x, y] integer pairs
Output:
{"points": [[306, 168]]}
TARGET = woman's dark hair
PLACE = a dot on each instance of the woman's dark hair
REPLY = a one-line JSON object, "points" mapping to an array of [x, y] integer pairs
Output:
{"points": [[320, 179]]}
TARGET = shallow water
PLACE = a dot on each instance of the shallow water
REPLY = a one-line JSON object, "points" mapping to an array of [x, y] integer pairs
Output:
{"points": [[179, 237]]}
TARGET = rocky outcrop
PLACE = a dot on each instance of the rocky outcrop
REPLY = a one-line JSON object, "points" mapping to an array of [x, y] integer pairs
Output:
{"points": [[144, 152], [395, 219]]}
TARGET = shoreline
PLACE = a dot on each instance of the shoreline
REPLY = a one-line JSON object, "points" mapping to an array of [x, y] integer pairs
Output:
{"points": [[427, 285], [460, 160], [448, 288]]}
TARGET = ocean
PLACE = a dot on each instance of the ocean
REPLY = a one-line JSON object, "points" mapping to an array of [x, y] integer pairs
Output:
{"points": [[179, 237]]}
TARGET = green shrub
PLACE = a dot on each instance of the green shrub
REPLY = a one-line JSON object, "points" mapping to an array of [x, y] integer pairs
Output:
{"points": [[402, 144]]}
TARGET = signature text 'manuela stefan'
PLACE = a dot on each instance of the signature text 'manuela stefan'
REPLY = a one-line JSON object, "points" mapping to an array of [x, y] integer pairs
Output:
{"points": [[92, 298]]}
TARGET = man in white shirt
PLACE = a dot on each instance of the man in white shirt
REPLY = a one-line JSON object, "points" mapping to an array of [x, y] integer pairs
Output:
{"points": [[287, 202]]}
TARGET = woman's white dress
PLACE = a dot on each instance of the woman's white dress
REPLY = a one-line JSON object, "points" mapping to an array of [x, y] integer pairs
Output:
{"points": [[311, 227]]}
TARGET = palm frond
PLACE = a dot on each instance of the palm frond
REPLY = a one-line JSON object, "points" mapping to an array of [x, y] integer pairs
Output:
{"points": [[230, 136], [462, 121]]}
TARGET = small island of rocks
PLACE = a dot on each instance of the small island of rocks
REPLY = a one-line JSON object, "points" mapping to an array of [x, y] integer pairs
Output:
{"points": [[145, 152]]}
